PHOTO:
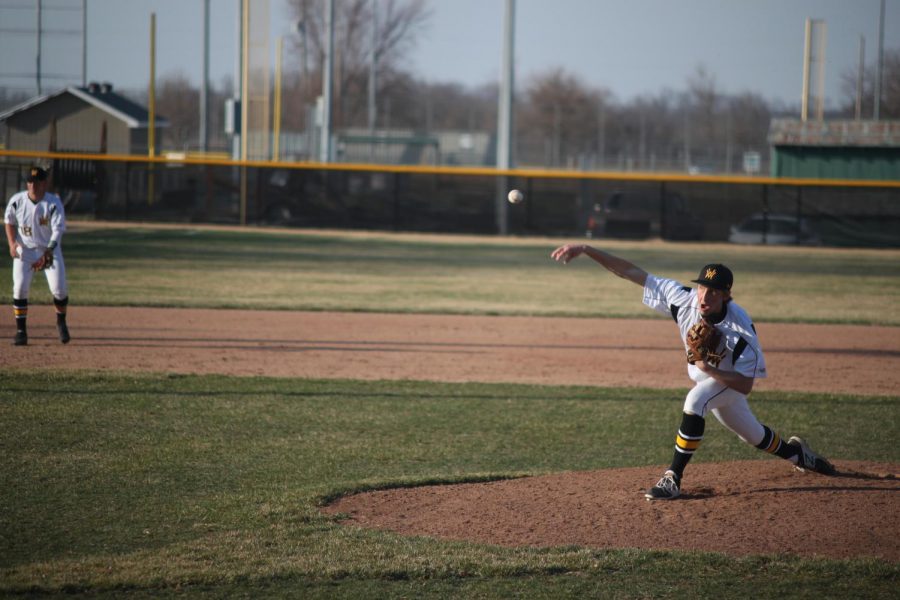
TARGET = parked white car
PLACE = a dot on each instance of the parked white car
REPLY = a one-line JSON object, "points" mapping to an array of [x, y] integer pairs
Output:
{"points": [[773, 229]]}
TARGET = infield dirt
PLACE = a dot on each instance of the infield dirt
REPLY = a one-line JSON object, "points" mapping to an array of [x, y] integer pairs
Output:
{"points": [[851, 359]]}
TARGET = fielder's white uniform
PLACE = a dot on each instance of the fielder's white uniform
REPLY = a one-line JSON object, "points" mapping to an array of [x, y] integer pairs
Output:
{"points": [[38, 224], [739, 344]]}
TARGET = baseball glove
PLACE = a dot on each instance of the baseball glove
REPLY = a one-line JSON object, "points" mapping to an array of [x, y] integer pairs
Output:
{"points": [[44, 262], [702, 342]]}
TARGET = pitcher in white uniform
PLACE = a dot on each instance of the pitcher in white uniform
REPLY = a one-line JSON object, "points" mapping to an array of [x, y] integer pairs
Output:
{"points": [[722, 383], [35, 221]]}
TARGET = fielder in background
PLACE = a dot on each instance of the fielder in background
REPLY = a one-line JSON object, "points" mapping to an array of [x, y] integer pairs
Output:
{"points": [[35, 221], [723, 374]]}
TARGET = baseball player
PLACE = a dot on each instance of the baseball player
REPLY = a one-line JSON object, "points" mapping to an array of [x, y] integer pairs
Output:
{"points": [[723, 374], [35, 221]]}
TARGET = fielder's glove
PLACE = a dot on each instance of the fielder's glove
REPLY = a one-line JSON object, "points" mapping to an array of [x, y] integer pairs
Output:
{"points": [[702, 342], [44, 262]]}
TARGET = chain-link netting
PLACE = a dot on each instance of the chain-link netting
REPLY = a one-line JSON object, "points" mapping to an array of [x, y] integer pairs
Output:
{"points": [[442, 201]]}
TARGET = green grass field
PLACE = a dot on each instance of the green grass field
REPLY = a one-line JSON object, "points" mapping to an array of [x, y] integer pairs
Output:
{"points": [[166, 486], [159, 485]]}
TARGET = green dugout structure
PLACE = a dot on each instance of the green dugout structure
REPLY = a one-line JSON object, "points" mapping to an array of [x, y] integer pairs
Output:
{"points": [[835, 149]]}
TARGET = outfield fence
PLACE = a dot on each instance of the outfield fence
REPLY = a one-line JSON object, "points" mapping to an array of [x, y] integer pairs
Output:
{"points": [[593, 204]]}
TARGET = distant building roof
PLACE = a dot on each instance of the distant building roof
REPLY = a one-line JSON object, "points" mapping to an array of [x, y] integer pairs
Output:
{"points": [[794, 132], [103, 97]]}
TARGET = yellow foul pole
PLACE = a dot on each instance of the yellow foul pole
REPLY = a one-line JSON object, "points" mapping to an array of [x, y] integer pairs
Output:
{"points": [[151, 118], [245, 101]]}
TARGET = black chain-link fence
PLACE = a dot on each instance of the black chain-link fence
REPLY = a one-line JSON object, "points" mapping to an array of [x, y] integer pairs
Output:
{"points": [[443, 200]]}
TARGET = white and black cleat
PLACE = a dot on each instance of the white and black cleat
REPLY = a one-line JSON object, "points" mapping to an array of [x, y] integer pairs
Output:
{"points": [[667, 488], [809, 460]]}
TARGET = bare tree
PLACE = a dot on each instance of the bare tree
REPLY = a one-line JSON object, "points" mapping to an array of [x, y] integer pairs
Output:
{"points": [[703, 113], [398, 25], [750, 118], [178, 100], [655, 120], [10, 97], [558, 118], [890, 89]]}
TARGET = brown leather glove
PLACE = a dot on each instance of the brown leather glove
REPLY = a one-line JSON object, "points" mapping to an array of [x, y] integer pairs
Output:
{"points": [[702, 342], [44, 262]]}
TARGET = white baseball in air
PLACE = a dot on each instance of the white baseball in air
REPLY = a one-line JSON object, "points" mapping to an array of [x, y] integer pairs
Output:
{"points": [[515, 196]]}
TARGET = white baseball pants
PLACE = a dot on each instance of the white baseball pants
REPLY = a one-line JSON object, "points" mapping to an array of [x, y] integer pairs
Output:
{"points": [[22, 273], [728, 405]]}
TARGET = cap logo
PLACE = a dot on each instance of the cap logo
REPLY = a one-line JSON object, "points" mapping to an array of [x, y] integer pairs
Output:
{"points": [[710, 274]]}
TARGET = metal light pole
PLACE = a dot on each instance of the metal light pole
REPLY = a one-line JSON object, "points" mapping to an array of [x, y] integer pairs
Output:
{"points": [[151, 118], [83, 43], [276, 133], [859, 77], [804, 95], [245, 80], [204, 86], [151, 91], [238, 83], [373, 65], [245, 101], [880, 64], [38, 57], [327, 83], [815, 33], [300, 29], [505, 116]]}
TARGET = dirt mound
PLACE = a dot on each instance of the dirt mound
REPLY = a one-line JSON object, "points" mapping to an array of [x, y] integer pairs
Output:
{"points": [[739, 508]]}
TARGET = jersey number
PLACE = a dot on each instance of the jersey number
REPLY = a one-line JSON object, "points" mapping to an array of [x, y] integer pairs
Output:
{"points": [[26, 230]]}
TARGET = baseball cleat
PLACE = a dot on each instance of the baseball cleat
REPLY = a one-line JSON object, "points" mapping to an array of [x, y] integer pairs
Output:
{"points": [[21, 339], [808, 460], [64, 336], [666, 488]]}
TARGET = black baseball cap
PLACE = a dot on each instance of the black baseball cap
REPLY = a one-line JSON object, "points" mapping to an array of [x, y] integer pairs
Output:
{"points": [[716, 276], [36, 174]]}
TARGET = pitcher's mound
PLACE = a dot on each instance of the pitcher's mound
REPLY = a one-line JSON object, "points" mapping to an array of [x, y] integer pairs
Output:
{"points": [[739, 508]]}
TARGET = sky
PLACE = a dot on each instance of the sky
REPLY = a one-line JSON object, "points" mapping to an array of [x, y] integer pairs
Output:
{"points": [[630, 47]]}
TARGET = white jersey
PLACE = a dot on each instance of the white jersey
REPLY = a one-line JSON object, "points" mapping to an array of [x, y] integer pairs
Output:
{"points": [[740, 343], [37, 223]]}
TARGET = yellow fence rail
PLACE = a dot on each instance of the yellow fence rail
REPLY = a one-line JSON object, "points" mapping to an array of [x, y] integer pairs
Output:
{"points": [[218, 160]]}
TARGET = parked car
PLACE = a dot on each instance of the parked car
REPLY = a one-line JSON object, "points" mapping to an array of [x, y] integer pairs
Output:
{"points": [[774, 228], [643, 215]]}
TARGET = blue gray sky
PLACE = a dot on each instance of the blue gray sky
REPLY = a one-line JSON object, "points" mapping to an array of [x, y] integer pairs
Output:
{"points": [[632, 48]]}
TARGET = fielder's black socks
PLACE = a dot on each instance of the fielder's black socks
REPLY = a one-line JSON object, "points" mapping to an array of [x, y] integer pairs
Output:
{"points": [[20, 308], [61, 308], [61, 305], [690, 434]]}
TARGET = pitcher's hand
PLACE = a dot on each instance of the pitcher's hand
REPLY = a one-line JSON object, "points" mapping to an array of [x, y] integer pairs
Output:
{"points": [[566, 253]]}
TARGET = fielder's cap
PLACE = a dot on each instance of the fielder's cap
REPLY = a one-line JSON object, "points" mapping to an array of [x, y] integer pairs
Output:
{"points": [[36, 174], [716, 276]]}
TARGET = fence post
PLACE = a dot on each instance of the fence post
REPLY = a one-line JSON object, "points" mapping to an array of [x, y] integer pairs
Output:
{"points": [[395, 198], [529, 196], [663, 225]]}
